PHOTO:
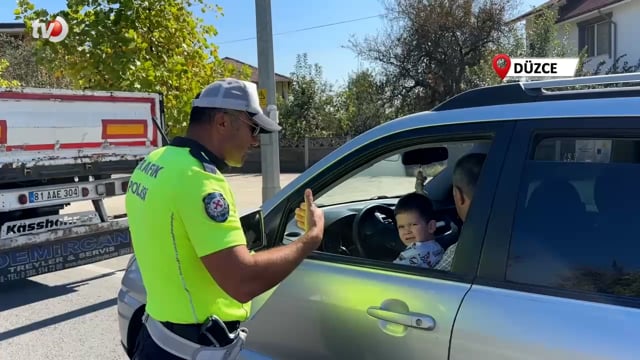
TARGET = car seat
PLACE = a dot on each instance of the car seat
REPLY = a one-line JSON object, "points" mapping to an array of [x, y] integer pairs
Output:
{"points": [[546, 232], [554, 212]]}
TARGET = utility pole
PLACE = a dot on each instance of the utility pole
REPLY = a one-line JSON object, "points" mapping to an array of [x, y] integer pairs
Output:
{"points": [[269, 143]]}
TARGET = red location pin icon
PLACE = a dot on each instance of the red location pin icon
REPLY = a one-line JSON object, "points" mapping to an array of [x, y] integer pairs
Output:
{"points": [[501, 71]]}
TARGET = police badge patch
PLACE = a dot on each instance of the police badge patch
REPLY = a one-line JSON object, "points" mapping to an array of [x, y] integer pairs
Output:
{"points": [[217, 207]]}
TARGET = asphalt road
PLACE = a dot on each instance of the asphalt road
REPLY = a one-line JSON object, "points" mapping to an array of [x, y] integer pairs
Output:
{"points": [[72, 314], [68, 314]]}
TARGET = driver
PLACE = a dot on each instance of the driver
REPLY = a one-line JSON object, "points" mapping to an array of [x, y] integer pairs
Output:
{"points": [[416, 226], [465, 177]]}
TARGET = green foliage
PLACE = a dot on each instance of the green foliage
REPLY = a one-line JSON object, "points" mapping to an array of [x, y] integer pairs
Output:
{"points": [[24, 67], [428, 53], [618, 66], [615, 281], [309, 110], [316, 109], [136, 45], [427, 46], [4, 83], [362, 104], [545, 37], [540, 37]]}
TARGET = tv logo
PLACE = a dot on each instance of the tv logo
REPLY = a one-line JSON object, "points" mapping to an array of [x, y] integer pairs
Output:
{"points": [[55, 30]]}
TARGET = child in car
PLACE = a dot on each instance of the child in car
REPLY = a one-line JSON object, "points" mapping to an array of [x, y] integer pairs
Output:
{"points": [[416, 226]]}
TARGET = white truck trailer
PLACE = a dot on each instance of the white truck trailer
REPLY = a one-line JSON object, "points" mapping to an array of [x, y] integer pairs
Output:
{"points": [[59, 147]]}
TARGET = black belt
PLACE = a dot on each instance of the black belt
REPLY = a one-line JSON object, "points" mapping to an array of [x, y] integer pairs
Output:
{"points": [[192, 332]]}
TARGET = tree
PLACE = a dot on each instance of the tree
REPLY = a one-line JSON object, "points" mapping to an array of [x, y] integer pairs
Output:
{"points": [[362, 104], [545, 38], [541, 37], [310, 109], [24, 67], [4, 83], [135, 45], [618, 66], [428, 45], [616, 281]]}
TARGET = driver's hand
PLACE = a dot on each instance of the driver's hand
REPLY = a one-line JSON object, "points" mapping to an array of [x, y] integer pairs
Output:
{"points": [[310, 218]]}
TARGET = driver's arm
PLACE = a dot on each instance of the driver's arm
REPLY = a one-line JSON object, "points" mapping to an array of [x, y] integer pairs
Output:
{"points": [[447, 259]]}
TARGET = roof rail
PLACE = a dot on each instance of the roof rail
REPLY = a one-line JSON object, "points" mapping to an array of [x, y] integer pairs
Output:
{"points": [[584, 80], [527, 92]]}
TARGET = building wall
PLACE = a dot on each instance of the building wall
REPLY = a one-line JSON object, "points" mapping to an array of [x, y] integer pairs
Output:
{"points": [[624, 37], [282, 89], [295, 155]]}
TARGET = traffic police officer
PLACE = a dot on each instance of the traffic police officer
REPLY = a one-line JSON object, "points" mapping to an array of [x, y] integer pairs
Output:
{"points": [[187, 238]]}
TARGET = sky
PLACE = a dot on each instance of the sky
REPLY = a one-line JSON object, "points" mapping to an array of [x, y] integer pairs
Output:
{"points": [[324, 45]]}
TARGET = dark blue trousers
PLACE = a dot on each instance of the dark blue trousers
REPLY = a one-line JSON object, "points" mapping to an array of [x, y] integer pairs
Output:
{"points": [[147, 349]]}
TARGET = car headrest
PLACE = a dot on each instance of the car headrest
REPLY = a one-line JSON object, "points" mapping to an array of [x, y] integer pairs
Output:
{"points": [[555, 197]]}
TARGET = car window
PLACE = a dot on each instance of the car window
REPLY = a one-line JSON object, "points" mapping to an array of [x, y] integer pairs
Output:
{"points": [[368, 230], [574, 226], [387, 177]]}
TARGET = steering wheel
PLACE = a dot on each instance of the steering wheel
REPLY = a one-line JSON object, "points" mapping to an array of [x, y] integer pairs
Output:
{"points": [[375, 235], [450, 236]]}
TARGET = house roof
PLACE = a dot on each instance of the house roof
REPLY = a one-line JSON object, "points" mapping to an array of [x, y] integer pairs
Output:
{"points": [[254, 70], [12, 28], [575, 8], [569, 9]]}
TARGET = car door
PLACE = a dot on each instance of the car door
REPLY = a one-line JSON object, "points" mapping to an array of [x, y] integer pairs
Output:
{"points": [[560, 271], [337, 306]]}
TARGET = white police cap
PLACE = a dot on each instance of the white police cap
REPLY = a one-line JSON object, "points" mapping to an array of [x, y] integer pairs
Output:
{"points": [[234, 94]]}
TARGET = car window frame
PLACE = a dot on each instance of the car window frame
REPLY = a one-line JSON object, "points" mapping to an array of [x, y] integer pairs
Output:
{"points": [[500, 133], [492, 269]]}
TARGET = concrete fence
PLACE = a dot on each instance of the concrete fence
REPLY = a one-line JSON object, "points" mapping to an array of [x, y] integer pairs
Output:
{"points": [[295, 155]]}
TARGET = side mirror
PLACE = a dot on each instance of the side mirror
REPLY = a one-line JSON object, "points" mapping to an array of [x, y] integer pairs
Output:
{"points": [[253, 227]]}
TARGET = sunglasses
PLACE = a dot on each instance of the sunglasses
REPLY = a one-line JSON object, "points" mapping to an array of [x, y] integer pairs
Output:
{"points": [[255, 129]]}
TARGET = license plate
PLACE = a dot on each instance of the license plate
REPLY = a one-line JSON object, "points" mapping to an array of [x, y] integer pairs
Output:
{"points": [[52, 195]]}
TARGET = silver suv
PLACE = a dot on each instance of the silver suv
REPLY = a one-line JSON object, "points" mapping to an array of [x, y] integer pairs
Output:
{"points": [[547, 264]]}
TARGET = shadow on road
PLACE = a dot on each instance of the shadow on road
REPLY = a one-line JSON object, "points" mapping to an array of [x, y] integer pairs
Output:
{"points": [[57, 319], [27, 291]]}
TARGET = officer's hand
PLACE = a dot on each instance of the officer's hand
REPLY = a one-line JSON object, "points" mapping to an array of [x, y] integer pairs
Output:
{"points": [[310, 218]]}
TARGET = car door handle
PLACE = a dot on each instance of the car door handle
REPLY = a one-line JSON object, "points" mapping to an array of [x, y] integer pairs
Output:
{"points": [[414, 320]]}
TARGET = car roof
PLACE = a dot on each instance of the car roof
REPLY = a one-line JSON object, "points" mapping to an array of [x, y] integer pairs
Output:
{"points": [[548, 90], [513, 101]]}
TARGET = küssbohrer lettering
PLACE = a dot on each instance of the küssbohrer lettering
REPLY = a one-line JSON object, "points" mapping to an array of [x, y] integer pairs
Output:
{"points": [[71, 247], [45, 224], [529, 67]]}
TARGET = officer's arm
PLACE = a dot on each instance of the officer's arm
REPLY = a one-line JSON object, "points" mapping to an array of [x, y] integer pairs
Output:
{"points": [[214, 229], [244, 276]]}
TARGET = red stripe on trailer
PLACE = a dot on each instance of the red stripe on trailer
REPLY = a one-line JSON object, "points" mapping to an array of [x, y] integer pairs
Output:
{"points": [[127, 99], [3, 131], [92, 145]]}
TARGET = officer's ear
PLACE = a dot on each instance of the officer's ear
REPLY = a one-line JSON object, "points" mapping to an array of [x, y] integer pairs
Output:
{"points": [[218, 120]]}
